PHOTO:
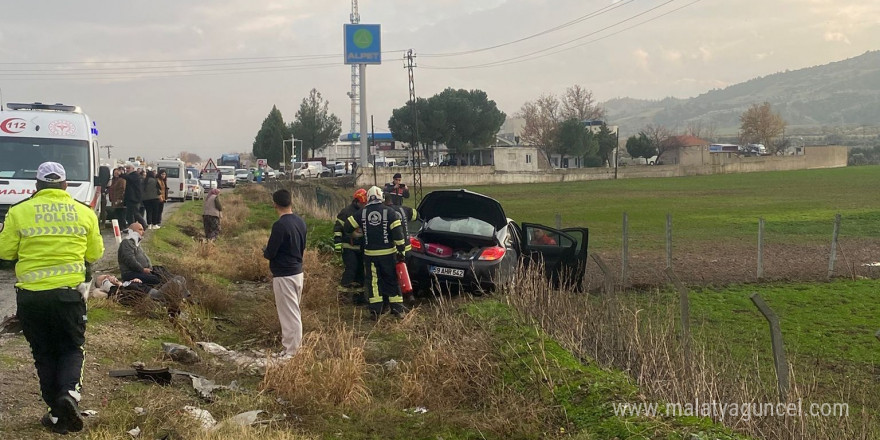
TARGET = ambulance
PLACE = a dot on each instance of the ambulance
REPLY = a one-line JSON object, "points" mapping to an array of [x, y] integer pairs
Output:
{"points": [[31, 134]]}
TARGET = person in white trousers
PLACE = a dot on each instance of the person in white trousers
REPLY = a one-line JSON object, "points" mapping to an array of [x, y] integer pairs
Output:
{"points": [[284, 251]]}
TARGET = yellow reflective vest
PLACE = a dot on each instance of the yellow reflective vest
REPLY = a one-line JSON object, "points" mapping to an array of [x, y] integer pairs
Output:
{"points": [[52, 236]]}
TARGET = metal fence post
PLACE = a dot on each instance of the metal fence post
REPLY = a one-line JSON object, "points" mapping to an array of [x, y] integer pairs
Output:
{"points": [[558, 221], [833, 255], [625, 257], [777, 344], [685, 310], [668, 240], [609, 279], [760, 248]]}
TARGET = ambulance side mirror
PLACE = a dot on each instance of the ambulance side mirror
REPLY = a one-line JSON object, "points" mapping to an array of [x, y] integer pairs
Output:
{"points": [[103, 177]]}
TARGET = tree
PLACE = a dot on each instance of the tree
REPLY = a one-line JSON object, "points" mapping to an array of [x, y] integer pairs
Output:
{"points": [[607, 143], [571, 138], [314, 124], [469, 120], [759, 124], [661, 139], [640, 147], [577, 103], [402, 121], [267, 144], [188, 157], [702, 130], [542, 118]]}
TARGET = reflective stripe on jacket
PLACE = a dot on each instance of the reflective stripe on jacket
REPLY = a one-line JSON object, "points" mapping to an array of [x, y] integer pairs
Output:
{"points": [[52, 236], [383, 233]]}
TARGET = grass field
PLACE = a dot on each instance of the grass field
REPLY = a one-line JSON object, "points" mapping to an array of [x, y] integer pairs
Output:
{"points": [[797, 206]]}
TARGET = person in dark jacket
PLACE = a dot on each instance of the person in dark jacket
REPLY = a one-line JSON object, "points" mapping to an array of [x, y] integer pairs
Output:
{"points": [[383, 247], [407, 216], [133, 261], [162, 179], [134, 193], [285, 249], [151, 199], [349, 245], [397, 190], [117, 196]]}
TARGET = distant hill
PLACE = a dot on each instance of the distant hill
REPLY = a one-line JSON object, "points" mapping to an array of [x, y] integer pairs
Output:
{"points": [[841, 93]]}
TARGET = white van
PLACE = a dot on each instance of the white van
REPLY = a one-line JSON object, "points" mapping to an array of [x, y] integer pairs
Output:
{"points": [[308, 169], [176, 170], [31, 134], [228, 173]]}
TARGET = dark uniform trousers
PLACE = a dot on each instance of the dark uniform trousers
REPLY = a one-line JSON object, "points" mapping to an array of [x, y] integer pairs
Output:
{"points": [[353, 259], [54, 323], [381, 283]]}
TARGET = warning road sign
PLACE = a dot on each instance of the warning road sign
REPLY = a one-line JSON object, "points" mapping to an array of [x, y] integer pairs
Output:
{"points": [[210, 167]]}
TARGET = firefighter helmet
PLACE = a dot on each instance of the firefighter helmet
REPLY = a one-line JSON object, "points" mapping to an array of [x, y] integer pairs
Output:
{"points": [[361, 196], [374, 193]]}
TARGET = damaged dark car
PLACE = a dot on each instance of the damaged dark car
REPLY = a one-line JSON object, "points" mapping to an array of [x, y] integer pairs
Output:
{"points": [[466, 240]]}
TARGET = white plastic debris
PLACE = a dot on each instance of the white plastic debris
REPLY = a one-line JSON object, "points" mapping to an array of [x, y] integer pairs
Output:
{"points": [[243, 419], [89, 413], [140, 411], [874, 264], [203, 416], [391, 365], [417, 410], [180, 353], [134, 432], [210, 347]]}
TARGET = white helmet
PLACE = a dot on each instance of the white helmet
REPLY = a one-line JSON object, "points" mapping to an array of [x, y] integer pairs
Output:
{"points": [[374, 193]]}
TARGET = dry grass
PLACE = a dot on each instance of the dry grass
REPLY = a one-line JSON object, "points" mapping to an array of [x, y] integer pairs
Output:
{"points": [[643, 341], [327, 372]]}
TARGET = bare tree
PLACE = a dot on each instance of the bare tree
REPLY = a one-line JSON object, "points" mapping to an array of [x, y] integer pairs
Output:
{"points": [[702, 130], [577, 103], [542, 118], [188, 157], [759, 124], [661, 139]]}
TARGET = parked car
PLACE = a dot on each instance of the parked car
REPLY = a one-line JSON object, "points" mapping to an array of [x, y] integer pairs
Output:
{"points": [[466, 239], [227, 174], [194, 190], [208, 184], [339, 170], [242, 176]]}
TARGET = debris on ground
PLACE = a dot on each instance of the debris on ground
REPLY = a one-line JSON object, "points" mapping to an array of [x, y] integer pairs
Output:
{"points": [[140, 411], [416, 410], [88, 413], [244, 419], [873, 264], [390, 365], [163, 376], [180, 353], [206, 387], [254, 363], [201, 415], [135, 432]]}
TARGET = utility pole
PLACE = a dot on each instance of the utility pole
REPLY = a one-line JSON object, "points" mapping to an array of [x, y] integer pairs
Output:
{"points": [[108, 147], [354, 93], [409, 64]]}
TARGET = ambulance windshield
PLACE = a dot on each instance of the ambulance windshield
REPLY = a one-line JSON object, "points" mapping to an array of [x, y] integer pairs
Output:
{"points": [[21, 156]]}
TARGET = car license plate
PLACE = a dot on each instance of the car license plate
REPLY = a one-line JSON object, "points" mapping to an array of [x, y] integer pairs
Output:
{"points": [[448, 271]]}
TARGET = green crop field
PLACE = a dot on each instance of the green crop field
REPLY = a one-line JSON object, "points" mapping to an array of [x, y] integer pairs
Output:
{"points": [[797, 206]]}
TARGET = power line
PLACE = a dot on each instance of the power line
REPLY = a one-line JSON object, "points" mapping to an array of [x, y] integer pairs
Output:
{"points": [[580, 19], [530, 56], [170, 74], [169, 69]]}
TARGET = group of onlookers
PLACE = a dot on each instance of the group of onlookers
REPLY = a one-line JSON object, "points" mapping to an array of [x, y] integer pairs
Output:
{"points": [[138, 195]]}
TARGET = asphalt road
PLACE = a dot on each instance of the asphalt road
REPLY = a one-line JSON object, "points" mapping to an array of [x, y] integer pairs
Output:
{"points": [[106, 263]]}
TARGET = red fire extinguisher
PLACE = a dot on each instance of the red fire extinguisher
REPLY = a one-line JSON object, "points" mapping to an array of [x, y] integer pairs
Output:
{"points": [[403, 277]]}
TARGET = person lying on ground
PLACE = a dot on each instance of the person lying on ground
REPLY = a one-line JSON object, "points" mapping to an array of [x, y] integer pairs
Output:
{"points": [[129, 293]]}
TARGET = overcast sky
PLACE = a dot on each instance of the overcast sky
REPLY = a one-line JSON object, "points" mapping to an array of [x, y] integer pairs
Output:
{"points": [[135, 66]]}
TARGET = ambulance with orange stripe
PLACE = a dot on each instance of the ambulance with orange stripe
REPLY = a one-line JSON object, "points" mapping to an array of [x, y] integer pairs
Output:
{"points": [[31, 134]]}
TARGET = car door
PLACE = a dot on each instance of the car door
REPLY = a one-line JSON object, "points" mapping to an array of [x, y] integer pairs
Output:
{"points": [[562, 252]]}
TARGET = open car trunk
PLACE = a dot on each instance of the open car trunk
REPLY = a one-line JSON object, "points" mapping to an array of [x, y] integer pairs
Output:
{"points": [[456, 239]]}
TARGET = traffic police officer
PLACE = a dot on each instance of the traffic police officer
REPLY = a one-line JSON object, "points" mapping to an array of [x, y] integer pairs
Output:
{"points": [[350, 247], [383, 247], [54, 238]]}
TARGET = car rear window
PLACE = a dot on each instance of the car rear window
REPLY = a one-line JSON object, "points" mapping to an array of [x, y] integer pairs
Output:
{"points": [[468, 225]]}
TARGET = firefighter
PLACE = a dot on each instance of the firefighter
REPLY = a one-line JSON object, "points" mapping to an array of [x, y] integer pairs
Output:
{"points": [[407, 215], [54, 238], [350, 246], [383, 247]]}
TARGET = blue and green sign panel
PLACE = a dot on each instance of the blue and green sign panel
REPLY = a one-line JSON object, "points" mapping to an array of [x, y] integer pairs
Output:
{"points": [[362, 44]]}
